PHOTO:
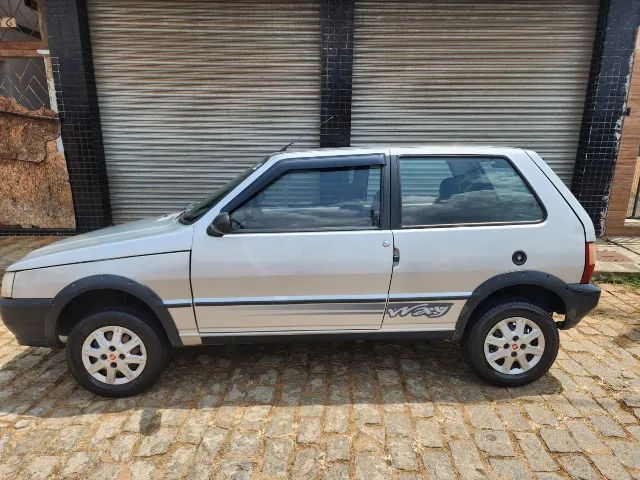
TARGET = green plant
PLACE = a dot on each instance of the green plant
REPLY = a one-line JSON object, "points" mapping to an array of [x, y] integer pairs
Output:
{"points": [[618, 278]]}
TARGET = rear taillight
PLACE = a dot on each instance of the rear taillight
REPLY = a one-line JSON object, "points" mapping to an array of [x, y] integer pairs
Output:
{"points": [[589, 262]]}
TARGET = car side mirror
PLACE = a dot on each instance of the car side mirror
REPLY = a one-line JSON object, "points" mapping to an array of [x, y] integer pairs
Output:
{"points": [[220, 226]]}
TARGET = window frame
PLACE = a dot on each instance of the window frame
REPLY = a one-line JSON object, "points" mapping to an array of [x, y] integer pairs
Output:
{"points": [[396, 189], [288, 165]]}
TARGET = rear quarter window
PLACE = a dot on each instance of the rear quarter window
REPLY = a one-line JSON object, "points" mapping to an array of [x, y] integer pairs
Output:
{"points": [[464, 190]]}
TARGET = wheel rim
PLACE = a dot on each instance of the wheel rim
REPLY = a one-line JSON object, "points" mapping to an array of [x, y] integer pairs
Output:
{"points": [[114, 355], [514, 345]]}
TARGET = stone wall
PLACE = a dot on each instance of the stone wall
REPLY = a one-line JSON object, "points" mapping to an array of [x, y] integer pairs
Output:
{"points": [[34, 183]]}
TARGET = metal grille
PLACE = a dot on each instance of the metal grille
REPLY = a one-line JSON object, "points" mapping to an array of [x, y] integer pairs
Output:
{"points": [[193, 92], [473, 72], [25, 79]]}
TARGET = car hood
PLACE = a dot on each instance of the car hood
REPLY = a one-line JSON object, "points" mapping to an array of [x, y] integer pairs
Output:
{"points": [[143, 237]]}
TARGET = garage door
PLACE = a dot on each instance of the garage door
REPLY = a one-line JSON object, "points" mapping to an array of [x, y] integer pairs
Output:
{"points": [[192, 92], [463, 71]]}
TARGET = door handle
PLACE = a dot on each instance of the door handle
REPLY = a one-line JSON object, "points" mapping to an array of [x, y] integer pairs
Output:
{"points": [[396, 256]]}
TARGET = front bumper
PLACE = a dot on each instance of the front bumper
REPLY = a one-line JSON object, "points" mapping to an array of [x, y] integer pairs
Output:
{"points": [[579, 299], [27, 319]]}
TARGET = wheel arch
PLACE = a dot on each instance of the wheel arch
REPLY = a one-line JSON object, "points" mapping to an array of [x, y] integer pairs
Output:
{"points": [[101, 284], [541, 288]]}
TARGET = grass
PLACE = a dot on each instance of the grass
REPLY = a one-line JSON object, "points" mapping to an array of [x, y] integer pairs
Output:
{"points": [[630, 279]]}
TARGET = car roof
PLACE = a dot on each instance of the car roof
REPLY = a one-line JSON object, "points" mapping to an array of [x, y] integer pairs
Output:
{"points": [[399, 150]]}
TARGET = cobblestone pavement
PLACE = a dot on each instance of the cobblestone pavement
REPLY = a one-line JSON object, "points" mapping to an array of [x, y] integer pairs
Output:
{"points": [[342, 410]]}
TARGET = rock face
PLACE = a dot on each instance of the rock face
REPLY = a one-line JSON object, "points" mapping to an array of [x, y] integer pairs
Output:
{"points": [[34, 182]]}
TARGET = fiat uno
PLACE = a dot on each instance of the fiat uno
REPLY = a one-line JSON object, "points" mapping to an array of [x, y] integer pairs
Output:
{"points": [[475, 244]]}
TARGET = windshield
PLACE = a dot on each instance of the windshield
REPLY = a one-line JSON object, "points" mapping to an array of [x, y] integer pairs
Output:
{"points": [[198, 209]]}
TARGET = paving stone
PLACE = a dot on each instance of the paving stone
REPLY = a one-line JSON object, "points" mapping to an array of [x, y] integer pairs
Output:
{"points": [[78, 462], [495, 443], [105, 471], [454, 424], [371, 467], [514, 420], [309, 430], [157, 443], [338, 447], [336, 419], [585, 437], [276, 457], [578, 467], [336, 471], [179, 462], [41, 467], [437, 464], [235, 470], [610, 467], [483, 416], [122, 447], [535, 453], [422, 409], [428, 433], [541, 415], [195, 425], [307, 463], [510, 469], [109, 428], [281, 423], [627, 453], [558, 440], [607, 426], [242, 445], [467, 459], [402, 453], [397, 424]]}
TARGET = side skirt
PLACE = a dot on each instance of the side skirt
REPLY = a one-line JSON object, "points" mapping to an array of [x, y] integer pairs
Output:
{"points": [[213, 339]]}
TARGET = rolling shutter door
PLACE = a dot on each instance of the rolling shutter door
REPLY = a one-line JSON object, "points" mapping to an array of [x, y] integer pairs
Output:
{"points": [[473, 72], [193, 92]]}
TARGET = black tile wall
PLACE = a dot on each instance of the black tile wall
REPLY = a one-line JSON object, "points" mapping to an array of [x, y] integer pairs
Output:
{"points": [[604, 106], [336, 71], [72, 62]]}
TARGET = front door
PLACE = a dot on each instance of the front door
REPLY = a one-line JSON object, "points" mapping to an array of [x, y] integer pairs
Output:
{"points": [[310, 250]]}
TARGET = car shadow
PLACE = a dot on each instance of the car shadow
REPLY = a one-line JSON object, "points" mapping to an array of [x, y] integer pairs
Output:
{"points": [[36, 383]]}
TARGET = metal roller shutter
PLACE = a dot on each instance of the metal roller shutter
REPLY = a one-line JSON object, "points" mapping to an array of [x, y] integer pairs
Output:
{"points": [[473, 71], [192, 92]]}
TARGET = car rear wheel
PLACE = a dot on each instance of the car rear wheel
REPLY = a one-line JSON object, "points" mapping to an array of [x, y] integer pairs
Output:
{"points": [[512, 344], [116, 353]]}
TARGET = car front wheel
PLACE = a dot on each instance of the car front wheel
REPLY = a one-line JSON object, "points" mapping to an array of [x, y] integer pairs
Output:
{"points": [[116, 353], [512, 344]]}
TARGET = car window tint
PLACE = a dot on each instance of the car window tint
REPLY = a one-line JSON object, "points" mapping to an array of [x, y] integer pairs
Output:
{"points": [[448, 190], [338, 198]]}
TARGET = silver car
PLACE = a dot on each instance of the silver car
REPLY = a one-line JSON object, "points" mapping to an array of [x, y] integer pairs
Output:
{"points": [[479, 245]]}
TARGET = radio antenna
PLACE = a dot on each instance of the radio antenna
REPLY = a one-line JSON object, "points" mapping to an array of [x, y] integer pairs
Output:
{"points": [[284, 149]]}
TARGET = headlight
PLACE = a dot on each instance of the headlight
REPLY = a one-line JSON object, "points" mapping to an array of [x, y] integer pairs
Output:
{"points": [[7, 285]]}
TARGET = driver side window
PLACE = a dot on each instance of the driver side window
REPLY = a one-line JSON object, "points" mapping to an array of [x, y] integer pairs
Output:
{"points": [[325, 198]]}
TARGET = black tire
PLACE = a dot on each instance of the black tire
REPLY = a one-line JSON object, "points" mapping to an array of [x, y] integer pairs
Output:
{"points": [[155, 343], [473, 343]]}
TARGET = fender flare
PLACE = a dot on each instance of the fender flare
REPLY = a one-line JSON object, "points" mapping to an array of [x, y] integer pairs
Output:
{"points": [[111, 282], [511, 279]]}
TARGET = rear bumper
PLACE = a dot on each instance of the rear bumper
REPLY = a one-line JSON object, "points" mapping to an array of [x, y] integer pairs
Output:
{"points": [[26, 318], [579, 300]]}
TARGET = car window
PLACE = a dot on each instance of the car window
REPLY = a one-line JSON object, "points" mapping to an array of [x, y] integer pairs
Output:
{"points": [[326, 198], [449, 190]]}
